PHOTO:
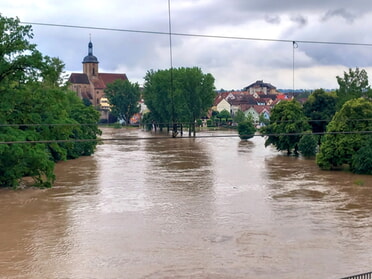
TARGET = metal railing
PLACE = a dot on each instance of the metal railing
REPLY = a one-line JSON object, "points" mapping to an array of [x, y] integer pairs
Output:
{"points": [[367, 275]]}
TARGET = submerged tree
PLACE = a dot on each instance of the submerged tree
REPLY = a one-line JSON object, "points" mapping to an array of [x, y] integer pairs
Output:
{"points": [[348, 137], [246, 128], [180, 95], [123, 97], [287, 124]]}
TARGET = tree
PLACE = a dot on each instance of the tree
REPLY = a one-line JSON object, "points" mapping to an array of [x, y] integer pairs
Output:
{"points": [[224, 114], [320, 108], [353, 85], [362, 160], [239, 116], [123, 96], [307, 145], [40, 118], [246, 128], [19, 59], [348, 135], [179, 95], [286, 118]]}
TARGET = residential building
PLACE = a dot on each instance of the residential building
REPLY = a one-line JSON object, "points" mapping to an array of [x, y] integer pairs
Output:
{"points": [[260, 87]]}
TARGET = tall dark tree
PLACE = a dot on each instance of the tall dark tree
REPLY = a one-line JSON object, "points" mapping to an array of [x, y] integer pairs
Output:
{"points": [[320, 108], [123, 97]]}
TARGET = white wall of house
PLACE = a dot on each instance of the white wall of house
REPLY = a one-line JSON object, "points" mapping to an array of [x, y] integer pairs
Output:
{"points": [[223, 105]]}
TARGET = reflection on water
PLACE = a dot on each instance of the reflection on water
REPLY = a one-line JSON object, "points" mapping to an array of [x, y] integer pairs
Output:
{"points": [[188, 208]]}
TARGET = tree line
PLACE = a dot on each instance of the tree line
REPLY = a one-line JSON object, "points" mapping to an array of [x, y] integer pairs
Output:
{"points": [[40, 119], [336, 127]]}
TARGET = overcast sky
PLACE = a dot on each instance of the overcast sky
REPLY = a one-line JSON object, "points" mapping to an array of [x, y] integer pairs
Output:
{"points": [[235, 63]]}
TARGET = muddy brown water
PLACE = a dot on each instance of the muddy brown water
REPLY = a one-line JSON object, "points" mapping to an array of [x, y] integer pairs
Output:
{"points": [[211, 207]]}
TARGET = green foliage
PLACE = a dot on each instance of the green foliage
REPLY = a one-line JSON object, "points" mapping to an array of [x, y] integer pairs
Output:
{"points": [[124, 97], [320, 108], [178, 95], [307, 145], [224, 114], [246, 129], [147, 120], [39, 116], [347, 134], [19, 59], [353, 85], [286, 118], [361, 161], [239, 117], [199, 122]]}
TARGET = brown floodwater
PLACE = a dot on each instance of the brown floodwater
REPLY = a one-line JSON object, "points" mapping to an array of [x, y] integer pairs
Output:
{"points": [[209, 207]]}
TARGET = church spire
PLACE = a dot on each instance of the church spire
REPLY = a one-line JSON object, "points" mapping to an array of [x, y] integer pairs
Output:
{"points": [[90, 46], [90, 58], [90, 62]]}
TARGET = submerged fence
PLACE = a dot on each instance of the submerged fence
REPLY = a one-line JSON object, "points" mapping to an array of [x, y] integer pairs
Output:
{"points": [[367, 275]]}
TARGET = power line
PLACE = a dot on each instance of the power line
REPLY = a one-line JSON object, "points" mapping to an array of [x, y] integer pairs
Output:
{"points": [[196, 35], [170, 137], [165, 123]]}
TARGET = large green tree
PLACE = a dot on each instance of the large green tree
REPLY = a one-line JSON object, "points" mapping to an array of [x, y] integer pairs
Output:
{"points": [[287, 124], [178, 95], [320, 107], [348, 134], [123, 97], [354, 84], [40, 119]]}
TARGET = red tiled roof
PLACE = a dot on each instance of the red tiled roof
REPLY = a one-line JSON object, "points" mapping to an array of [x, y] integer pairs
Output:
{"points": [[98, 84], [107, 78], [78, 78], [260, 109]]}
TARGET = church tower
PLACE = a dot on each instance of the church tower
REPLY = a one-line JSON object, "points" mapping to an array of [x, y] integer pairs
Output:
{"points": [[90, 63]]}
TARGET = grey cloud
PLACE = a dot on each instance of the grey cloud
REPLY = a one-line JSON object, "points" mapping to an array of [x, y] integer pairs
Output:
{"points": [[272, 19], [348, 16], [300, 20]]}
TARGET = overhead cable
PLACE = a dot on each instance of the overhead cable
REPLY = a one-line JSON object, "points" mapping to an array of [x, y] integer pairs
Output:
{"points": [[195, 35]]}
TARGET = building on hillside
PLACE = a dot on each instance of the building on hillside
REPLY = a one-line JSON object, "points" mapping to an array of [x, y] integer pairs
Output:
{"points": [[260, 87], [90, 84], [241, 102]]}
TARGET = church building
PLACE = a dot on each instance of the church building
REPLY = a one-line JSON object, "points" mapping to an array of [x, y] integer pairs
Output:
{"points": [[90, 84]]}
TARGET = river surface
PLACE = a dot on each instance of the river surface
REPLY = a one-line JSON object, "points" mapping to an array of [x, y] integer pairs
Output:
{"points": [[208, 207]]}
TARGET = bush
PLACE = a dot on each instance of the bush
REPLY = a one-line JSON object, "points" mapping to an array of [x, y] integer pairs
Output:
{"points": [[246, 130]]}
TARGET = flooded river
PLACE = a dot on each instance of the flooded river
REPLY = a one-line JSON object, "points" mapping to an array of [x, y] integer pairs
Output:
{"points": [[209, 207]]}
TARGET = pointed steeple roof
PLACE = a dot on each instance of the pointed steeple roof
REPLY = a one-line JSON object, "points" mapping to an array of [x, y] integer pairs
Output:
{"points": [[90, 58]]}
